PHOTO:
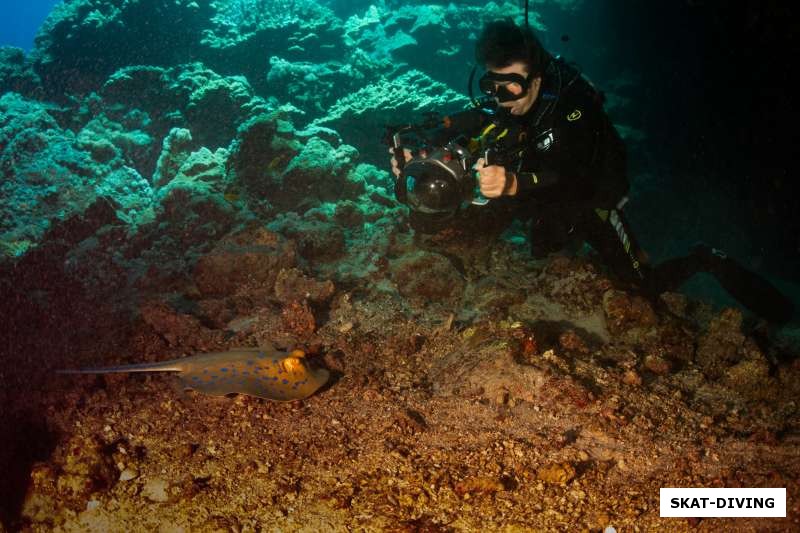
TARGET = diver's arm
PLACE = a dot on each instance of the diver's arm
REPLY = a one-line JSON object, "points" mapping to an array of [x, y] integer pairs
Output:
{"points": [[463, 124], [566, 168]]}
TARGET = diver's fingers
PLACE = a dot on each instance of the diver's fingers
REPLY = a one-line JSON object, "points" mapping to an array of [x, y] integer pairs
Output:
{"points": [[492, 180], [406, 152], [480, 163]]}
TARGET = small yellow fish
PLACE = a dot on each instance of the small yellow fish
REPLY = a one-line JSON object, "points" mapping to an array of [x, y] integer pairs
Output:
{"points": [[264, 373]]}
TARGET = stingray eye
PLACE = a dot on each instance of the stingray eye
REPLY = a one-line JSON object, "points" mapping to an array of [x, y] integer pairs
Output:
{"points": [[293, 364], [297, 353]]}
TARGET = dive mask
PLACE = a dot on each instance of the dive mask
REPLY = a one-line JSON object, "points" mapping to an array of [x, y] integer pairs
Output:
{"points": [[494, 85]]}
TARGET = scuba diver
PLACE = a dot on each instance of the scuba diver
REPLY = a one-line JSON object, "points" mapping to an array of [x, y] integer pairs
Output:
{"points": [[546, 146]]}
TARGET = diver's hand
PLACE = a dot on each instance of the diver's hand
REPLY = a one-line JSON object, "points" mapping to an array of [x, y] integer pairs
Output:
{"points": [[395, 170], [494, 181]]}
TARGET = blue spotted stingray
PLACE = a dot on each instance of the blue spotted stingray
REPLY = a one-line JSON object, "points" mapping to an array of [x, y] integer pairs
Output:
{"points": [[264, 373]]}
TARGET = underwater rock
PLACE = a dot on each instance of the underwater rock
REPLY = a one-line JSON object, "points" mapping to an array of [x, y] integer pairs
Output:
{"points": [[262, 148], [722, 344], [427, 278], [217, 105], [82, 42], [369, 32], [625, 314], [365, 113], [317, 240], [193, 212], [16, 74], [246, 261], [46, 177], [149, 88], [751, 378], [87, 467], [298, 320], [557, 473], [319, 172], [39, 505], [190, 96], [178, 329], [203, 169], [244, 29], [314, 87], [107, 139], [175, 149], [156, 490], [292, 285]]}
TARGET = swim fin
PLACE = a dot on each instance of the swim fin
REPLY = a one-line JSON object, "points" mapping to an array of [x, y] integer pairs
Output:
{"points": [[751, 290]]}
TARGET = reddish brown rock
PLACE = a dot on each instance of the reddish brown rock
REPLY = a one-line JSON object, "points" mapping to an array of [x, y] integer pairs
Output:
{"points": [[657, 365], [177, 328], [298, 319], [556, 473], [722, 344], [572, 342], [246, 261], [625, 312], [427, 277], [292, 285]]}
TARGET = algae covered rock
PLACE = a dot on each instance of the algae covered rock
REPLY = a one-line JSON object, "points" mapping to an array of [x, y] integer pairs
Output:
{"points": [[190, 96], [175, 149], [46, 175], [249, 260], [427, 278], [16, 74], [82, 42], [398, 100], [722, 344]]}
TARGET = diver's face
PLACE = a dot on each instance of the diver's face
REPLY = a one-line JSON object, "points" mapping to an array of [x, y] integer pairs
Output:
{"points": [[522, 105]]}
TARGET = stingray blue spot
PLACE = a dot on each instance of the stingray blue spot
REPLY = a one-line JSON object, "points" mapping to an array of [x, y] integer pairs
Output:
{"points": [[285, 381], [250, 363], [224, 369], [214, 377], [245, 373], [275, 378], [195, 378], [261, 355]]}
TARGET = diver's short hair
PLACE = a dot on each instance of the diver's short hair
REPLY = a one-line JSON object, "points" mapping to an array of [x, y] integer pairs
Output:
{"points": [[503, 42]]}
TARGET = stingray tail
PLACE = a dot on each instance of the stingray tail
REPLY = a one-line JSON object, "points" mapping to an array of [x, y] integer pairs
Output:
{"points": [[165, 366]]}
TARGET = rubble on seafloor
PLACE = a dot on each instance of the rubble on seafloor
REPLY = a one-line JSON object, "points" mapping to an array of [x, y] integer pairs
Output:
{"points": [[536, 412]]}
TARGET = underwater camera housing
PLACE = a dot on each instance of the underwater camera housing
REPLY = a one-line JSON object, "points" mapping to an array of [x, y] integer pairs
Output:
{"points": [[438, 179]]}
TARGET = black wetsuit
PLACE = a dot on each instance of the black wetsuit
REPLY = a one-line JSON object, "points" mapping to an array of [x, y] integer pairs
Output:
{"points": [[571, 173], [570, 164]]}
